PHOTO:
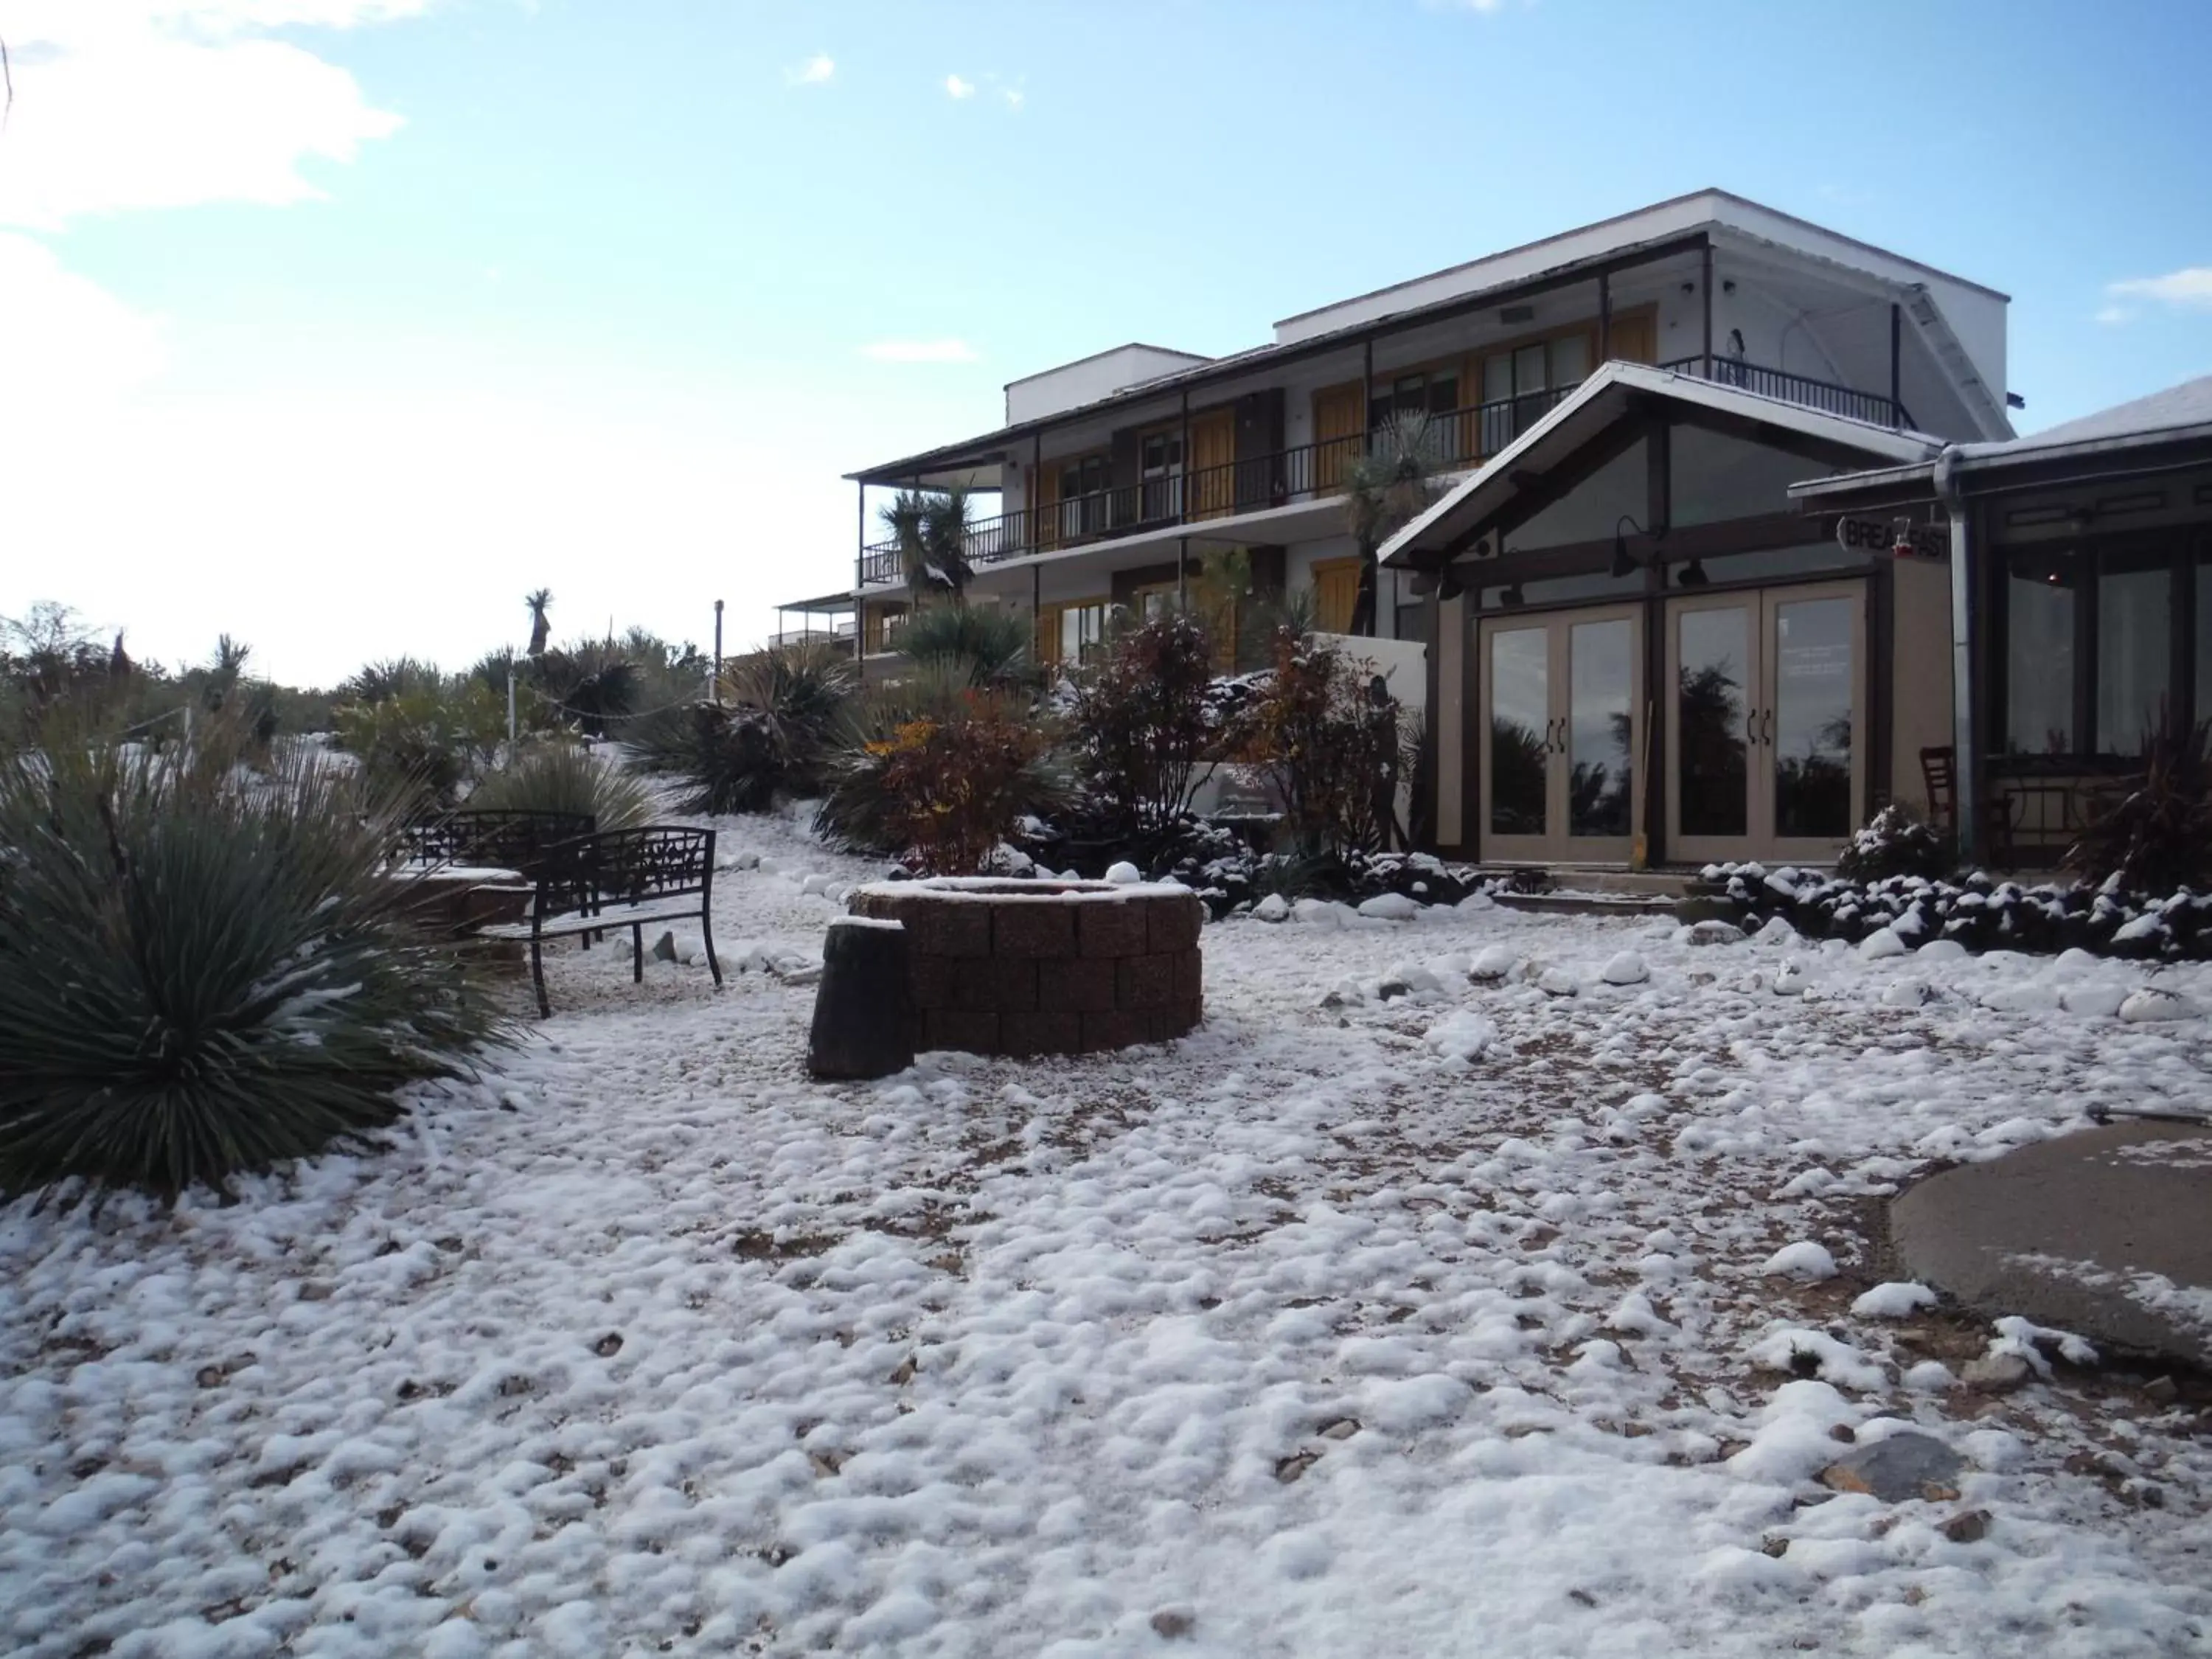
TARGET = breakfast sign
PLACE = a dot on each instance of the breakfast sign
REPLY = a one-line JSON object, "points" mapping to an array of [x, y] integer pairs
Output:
{"points": [[1900, 538]]}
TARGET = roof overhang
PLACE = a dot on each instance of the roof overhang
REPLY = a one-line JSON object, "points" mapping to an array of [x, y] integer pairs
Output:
{"points": [[1994, 469], [1613, 394], [825, 604]]}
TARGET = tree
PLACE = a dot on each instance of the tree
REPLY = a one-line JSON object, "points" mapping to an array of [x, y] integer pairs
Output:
{"points": [[538, 602], [931, 529], [1385, 490]]}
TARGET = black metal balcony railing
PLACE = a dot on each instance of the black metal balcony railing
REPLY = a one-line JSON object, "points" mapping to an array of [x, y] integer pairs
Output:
{"points": [[1874, 408], [1461, 438]]}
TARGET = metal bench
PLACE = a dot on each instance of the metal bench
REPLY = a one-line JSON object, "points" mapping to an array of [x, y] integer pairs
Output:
{"points": [[504, 840], [622, 879]]}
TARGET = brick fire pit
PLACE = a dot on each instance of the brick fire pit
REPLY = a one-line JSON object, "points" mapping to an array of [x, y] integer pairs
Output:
{"points": [[1000, 966]]}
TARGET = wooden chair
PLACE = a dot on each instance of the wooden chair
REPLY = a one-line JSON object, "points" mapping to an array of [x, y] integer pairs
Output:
{"points": [[1939, 771]]}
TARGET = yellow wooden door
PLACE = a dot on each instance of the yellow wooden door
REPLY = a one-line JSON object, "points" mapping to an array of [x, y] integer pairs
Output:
{"points": [[1631, 337], [1213, 465], [1339, 432], [1044, 497], [1336, 591]]}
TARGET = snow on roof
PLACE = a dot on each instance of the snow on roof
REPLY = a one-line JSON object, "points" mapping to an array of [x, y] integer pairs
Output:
{"points": [[2187, 404]]}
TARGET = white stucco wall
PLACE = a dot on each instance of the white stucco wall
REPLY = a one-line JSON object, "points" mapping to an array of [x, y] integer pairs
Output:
{"points": [[1085, 380]]}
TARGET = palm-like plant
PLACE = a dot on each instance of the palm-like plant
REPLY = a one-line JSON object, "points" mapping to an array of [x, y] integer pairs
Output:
{"points": [[931, 530], [1385, 490], [981, 646], [539, 602]]}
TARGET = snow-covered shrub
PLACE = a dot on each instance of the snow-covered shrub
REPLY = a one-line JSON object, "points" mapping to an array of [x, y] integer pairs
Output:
{"points": [[2158, 837], [1896, 843], [205, 970], [418, 733], [1332, 752], [1139, 727], [559, 776], [787, 717]]}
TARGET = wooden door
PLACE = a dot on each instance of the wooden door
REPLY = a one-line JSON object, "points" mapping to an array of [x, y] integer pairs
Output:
{"points": [[1339, 432], [1336, 594], [1213, 467], [1044, 498], [1631, 338]]}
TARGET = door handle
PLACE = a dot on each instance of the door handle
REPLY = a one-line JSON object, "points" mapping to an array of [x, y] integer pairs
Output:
{"points": [[1767, 729]]}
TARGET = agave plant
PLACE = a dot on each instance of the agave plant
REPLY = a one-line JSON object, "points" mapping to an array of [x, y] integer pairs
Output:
{"points": [[206, 970], [559, 776], [788, 712], [981, 644]]}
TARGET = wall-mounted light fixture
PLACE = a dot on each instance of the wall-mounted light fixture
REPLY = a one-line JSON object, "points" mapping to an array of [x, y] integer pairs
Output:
{"points": [[1623, 563]]}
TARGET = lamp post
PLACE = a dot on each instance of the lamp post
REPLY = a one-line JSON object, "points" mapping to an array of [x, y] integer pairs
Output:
{"points": [[718, 653]]}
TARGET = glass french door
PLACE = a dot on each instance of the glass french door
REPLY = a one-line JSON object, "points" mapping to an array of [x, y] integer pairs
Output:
{"points": [[1766, 723], [1562, 698]]}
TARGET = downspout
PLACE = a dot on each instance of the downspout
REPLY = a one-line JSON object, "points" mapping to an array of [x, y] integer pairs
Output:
{"points": [[1965, 771]]}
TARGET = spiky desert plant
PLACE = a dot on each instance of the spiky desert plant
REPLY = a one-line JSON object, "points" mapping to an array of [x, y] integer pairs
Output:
{"points": [[930, 527], [394, 677], [557, 776], [206, 970], [984, 646], [787, 713], [2154, 835], [540, 603], [1385, 490]]}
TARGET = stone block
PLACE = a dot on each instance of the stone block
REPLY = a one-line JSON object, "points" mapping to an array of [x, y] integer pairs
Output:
{"points": [[1057, 1032], [1118, 1028], [1114, 927], [1173, 924], [1005, 984], [1080, 985], [1189, 976], [973, 1031], [1144, 984], [1166, 1023], [1038, 928], [932, 982], [945, 927]]}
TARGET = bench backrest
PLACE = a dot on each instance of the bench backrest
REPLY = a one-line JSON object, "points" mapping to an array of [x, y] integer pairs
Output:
{"points": [[626, 866], [508, 839]]}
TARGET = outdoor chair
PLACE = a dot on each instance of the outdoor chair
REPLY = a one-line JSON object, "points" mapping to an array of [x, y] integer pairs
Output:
{"points": [[622, 878]]}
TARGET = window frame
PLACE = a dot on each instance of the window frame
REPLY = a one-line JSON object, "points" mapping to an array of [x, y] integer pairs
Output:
{"points": [[2186, 549]]}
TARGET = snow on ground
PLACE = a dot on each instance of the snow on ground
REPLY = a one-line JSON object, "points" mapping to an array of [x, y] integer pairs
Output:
{"points": [[1420, 1324]]}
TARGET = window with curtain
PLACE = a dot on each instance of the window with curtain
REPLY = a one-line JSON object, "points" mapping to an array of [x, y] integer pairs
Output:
{"points": [[2134, 647], [2039, 594]]}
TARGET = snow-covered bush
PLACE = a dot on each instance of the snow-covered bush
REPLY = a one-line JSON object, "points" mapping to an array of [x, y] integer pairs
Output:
{"points": [[559, 776], [1333, 753], [1139, 727], [205, 970], [1896, 843]]}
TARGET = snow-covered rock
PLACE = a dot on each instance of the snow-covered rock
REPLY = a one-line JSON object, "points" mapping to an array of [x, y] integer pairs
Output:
{"points": [[1626, 969], [1273, 906], [2153, 1004], [1317, 912], [1791, 980], [1559, 982], [814, 885], [1493, 963], [1805, 1261], [2093, 1001], [1898, 1299], [1475, 903], [1880, 944], [1777, 930], [1942, 950], [1124, 873], [1389, 907], [1712, 932], [1463, 1035]]}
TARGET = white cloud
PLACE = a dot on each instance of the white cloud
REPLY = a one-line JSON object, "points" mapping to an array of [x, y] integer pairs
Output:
{"points": [[88, 347], [2112, 315], [2189, 288], [811, 73], [1014, 96], [921, 351], [957, 88], [130, 104]]}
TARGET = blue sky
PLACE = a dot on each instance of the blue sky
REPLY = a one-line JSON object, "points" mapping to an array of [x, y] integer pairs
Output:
{"points": [[338, 324]]}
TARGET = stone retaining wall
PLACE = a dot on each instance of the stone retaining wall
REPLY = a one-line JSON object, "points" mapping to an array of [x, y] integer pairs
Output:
{"points": [[1045, 968]]}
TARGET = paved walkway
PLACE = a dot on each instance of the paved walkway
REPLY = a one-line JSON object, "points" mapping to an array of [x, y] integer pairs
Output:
{"points": [[2107, 1232]]}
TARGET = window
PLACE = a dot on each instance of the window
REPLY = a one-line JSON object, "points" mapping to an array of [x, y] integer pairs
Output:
{"points": [[2096, 640], [1069, 633], [1424, 394], [2203, 621], [2134, 649], [2040, 589], [1520, 386], [1083, 496], [1160, 465]]}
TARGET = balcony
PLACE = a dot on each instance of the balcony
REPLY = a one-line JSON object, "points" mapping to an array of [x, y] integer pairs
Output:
{"points": [[1460, 439]]}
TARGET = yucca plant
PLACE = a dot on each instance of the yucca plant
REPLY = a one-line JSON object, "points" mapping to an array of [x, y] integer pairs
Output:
{"points": [[984, 646], [565, 777], [931, 531], [206, 970], [788, 712]]}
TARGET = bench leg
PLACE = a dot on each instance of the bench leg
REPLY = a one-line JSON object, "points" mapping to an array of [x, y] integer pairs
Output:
{"points": [[706, 933], [637, 956], [538, 976]]}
